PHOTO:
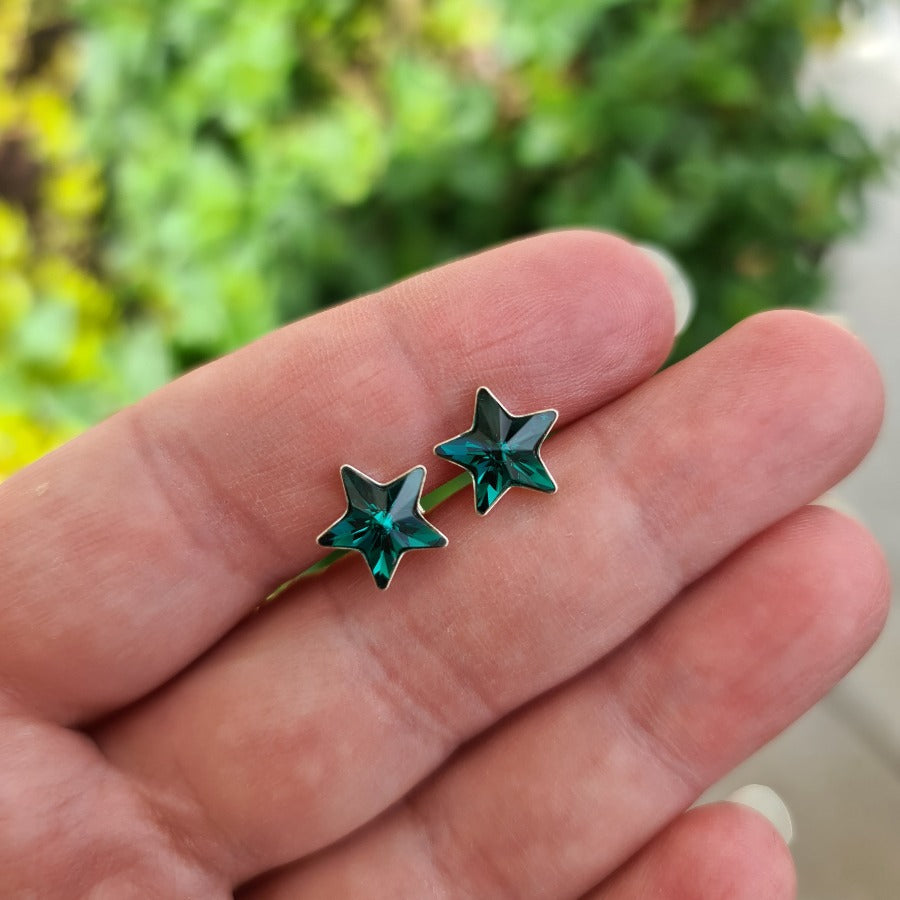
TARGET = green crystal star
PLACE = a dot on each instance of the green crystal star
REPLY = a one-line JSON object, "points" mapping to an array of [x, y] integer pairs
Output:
{"points": [[382, 521], [501, 450]]}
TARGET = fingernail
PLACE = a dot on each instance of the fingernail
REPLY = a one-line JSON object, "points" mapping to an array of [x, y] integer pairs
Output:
{"points": [[839, 504], [769, 805], [838, 319], [680, 287]]}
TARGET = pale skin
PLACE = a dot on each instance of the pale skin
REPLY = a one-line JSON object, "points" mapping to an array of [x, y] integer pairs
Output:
{"points": [[525, 714]]}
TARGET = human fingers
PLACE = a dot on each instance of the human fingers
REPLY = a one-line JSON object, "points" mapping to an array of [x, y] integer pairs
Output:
{"points": [[557, 798], [130, 550], [351, 699], [714, 852]]}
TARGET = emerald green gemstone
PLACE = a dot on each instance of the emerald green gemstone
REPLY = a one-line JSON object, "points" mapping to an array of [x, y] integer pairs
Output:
{"points": [[382, 521], [501, 450]]}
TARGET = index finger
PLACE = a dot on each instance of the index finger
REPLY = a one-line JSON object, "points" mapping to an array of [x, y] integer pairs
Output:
{"points": [[131, 550]]}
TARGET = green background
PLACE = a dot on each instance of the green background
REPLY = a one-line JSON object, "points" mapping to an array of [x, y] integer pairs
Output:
{"points": [[179, 176]]}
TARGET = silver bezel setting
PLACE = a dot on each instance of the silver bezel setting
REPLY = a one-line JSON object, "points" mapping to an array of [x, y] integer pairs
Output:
{"points": [[537, 449], [383, 484]]}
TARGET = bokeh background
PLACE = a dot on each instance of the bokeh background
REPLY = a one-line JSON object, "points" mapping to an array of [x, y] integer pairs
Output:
{"points": [[179, 176]]}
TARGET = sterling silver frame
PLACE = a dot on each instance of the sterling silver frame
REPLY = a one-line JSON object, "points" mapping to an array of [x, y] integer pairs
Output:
{"points": [[384, 484], [537, 449]]}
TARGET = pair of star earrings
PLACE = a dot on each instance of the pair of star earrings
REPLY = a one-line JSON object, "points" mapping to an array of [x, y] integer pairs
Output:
{"points": [[383, 521]]}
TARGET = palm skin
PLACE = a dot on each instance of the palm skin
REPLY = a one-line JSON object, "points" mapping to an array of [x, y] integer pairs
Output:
{"points": [[526, 713]]}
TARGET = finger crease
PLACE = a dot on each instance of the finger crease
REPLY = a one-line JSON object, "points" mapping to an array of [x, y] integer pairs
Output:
{"points": [[492, 881], [638, 726], [158, 465], [392, 687]]}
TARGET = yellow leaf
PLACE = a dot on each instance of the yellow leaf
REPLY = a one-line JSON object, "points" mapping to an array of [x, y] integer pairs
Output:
{"points": [[15, 298], [15, 244], [50, 122], [74, 191]]}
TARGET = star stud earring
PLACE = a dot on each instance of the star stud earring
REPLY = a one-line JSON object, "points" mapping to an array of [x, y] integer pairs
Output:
{"points": [[501, 450], [382, 521]]}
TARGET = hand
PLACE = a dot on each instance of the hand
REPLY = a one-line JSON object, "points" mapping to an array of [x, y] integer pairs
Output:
{"points": [[526, 714]]}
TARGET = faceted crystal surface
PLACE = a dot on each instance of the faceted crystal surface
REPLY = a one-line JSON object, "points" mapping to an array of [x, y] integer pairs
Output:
{"points": [[382, 521], [501, 450]]}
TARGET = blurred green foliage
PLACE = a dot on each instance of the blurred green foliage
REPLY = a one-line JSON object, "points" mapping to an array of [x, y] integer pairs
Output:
{"points": [[264, 158], [57, 320]]}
